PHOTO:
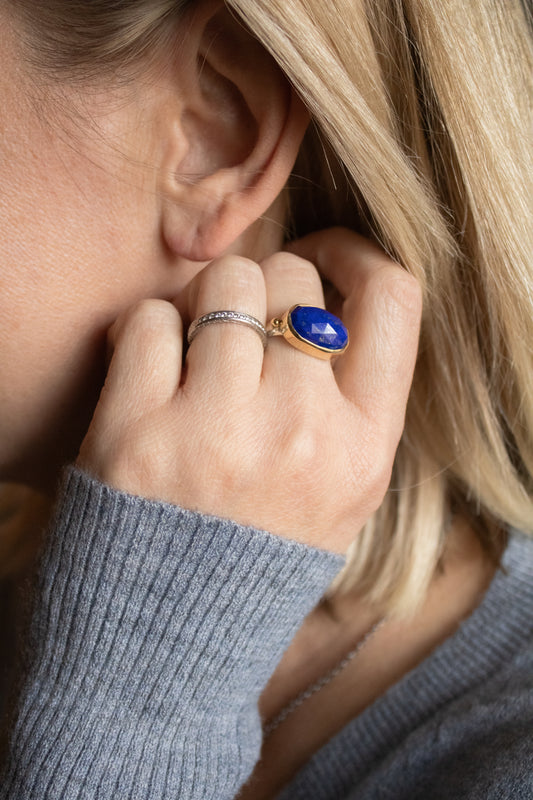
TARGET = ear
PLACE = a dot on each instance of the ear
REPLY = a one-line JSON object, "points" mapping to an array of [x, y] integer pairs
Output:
{"points": [[230, 139]]}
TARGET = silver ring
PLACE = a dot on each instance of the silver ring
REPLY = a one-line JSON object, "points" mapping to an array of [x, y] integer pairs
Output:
{"points": [[227, 316]]}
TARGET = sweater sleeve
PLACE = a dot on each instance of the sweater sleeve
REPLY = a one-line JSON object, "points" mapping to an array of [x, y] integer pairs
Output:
{"points": [[155, 631]]}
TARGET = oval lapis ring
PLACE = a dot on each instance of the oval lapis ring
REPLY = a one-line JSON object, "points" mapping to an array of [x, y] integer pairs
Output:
{"points": [[313, 330]]}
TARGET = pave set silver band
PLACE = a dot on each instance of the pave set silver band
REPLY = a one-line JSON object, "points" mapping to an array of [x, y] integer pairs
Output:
{"points": [[313, 330], [227, 316]]}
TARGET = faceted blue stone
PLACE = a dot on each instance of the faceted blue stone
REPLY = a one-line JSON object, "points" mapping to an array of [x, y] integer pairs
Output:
{"points": [[319, 327]]}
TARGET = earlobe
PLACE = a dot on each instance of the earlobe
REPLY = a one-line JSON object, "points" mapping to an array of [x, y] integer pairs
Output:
{"points": [[231, 140]]}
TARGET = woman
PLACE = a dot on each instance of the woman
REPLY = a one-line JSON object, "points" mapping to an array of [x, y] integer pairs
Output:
{"points": [[198, 630]]}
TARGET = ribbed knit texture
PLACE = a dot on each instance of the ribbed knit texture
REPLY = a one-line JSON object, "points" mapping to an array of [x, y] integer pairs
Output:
{"points": [[460, 725], [155, 631]]}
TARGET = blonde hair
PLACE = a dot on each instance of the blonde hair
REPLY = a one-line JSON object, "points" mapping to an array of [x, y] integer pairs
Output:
{"points": [[421, 137]]}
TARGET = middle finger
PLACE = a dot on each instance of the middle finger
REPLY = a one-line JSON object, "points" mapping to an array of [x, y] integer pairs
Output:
{"points": [[227, 356]]}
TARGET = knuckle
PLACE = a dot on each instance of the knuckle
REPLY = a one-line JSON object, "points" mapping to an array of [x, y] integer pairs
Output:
{"points": [[147, 315], [401, 291], [379, 477], [237, 273], [371, 469], [145, 325], [304, 275], [382, 477], [229, 283], [406, 291], [304, 447]]}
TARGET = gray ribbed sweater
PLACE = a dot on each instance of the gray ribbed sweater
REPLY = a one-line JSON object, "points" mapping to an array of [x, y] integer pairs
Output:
{"points": [[156, 629]]}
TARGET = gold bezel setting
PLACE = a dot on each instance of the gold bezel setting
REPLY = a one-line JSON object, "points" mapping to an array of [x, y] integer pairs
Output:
{"points": [[284, 326]]}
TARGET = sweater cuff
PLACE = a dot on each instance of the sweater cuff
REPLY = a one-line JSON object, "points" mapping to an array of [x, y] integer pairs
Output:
{"points": [[150, 620]]}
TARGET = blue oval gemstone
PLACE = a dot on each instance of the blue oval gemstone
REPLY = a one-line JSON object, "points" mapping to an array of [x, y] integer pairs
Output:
{"points": [[319, 327]]}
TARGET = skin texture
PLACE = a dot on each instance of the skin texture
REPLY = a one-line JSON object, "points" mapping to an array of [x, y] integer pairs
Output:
{"points": [[329, 632], [75, 216], [102, 193], [337, 440], [126, 213], [100, 212]]}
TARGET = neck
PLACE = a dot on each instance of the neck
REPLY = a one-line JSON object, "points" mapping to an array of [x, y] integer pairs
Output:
{"points": [[329, 633], [331, 630]]}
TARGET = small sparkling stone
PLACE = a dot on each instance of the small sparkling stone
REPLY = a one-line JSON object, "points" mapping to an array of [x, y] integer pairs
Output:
{"points": [[319, 327]]}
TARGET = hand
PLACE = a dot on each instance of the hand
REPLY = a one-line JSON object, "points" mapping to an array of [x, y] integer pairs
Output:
{"points": [[272, 438]]}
